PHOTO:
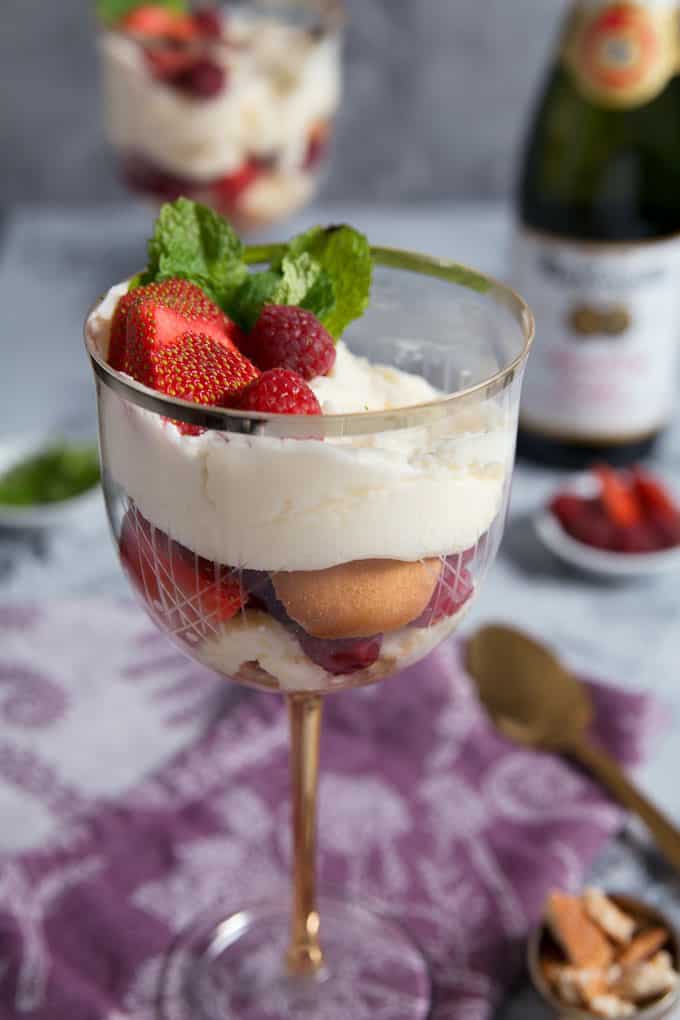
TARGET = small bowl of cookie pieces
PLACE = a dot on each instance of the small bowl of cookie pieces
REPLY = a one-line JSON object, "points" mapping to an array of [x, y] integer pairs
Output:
{"points": [[605, 955]]}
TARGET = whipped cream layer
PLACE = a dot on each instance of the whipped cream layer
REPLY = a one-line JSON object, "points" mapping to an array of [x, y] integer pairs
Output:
{"points": [[270, 503], [280, 82]]}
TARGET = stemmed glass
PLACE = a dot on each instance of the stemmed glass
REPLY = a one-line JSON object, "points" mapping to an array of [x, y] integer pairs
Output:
{"points": [[354, 544], [236, 113]]}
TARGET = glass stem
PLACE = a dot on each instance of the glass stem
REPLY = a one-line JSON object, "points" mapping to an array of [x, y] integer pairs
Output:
{"points": [[304, 952]]}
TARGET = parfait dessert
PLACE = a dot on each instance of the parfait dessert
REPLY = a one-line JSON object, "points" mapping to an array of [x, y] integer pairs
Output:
{"points": [[232, 105], [306, 467]]}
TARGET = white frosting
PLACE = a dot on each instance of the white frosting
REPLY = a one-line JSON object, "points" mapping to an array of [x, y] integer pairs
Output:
{"points": [[272, 503], [281, 82], [259, 638]]}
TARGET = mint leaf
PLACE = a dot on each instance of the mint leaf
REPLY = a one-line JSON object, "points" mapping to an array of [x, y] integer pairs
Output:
{"points": [[345, 256], [111, 11], [254, 293], [297, 281], [193, 242]]}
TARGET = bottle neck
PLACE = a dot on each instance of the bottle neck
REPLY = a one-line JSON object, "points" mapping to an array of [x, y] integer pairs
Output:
{"points": [[622, 53]]}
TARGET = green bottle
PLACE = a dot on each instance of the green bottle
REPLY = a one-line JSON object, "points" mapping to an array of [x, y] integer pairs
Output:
{"points": [[597, 249]]}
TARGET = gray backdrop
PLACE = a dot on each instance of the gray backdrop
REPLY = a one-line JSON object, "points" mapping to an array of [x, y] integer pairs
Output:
{"points": [[436, 99]]}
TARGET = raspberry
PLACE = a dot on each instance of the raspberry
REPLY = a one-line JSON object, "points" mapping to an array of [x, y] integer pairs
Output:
{"points": [[208, 22], [202, 80], [342, 655], [278, 391], [288, 337]]}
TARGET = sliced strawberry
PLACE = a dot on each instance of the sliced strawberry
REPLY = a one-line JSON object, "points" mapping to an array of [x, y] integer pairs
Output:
{"points": [[195, 367], [152, 317], [568, 508], [117, 340], [186, 594], [454, 588], [594, 526], [317, 144], [618, 497], [228, 190], [159, 22], [637, 538], [653, 497]]}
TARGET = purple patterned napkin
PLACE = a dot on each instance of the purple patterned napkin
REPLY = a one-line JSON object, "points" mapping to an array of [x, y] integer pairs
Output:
{"points": [[423, 808]]}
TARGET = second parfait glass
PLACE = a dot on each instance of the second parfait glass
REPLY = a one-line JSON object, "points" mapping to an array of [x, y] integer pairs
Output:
{"points": [[230, 105], [308, 555]]}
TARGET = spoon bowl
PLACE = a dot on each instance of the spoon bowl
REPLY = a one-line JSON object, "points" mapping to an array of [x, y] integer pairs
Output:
{"points": [[535, 701]]}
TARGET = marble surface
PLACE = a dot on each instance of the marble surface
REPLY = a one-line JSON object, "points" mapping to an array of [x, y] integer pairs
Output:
{"points": [[436, 98], [53, 265]]}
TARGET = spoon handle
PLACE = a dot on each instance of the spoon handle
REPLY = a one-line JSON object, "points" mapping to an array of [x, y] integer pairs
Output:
{"points": [[611, 775]]}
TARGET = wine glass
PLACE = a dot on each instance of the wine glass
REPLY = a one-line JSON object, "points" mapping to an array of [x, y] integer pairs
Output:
{"points": [[306, 555], [234, 107]]}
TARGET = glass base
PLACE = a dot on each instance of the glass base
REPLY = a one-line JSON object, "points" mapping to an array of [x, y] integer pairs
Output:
{"points": [[235, 969]]}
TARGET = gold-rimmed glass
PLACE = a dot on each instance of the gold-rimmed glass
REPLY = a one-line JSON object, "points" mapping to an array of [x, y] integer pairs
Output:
{"points": [[220, 496]]}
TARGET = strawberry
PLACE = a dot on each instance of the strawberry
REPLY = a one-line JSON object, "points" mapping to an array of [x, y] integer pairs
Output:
{"points": [[117, 339], [158, 22], [653, 496], [288, 337], [186, 594], [618, 498], [278, 391], [317, 144], [454, 588], [227, 190], [195, 367], [150, 317], [168, 34]]}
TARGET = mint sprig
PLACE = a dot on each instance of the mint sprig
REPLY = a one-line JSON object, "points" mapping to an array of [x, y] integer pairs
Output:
{"points": [[327, 271], [112, 11], [192, 242]]}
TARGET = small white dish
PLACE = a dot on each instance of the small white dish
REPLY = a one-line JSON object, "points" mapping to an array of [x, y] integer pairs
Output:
{"points": [[14, 449], [599, 561]]}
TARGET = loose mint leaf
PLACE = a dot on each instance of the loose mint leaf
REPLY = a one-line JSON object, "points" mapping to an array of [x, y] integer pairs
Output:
{"points": [[344, 254], [298, 281], [193, 242], [111, 11]]}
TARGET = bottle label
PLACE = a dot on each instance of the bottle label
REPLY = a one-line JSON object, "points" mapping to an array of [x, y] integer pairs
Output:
{"points": [[607, 327], [622, 54]]}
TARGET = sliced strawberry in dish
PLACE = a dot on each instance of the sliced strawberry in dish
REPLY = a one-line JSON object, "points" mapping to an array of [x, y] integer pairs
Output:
{"points": [[653, 497], [618, 498], [454, 587], [154, 316], [186, 594]]}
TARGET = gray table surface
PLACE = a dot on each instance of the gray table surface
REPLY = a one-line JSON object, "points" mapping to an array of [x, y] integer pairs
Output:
{"points": [[53, 265]]}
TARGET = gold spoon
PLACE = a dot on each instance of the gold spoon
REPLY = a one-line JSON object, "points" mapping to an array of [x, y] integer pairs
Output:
{"points": [[535, 701]]}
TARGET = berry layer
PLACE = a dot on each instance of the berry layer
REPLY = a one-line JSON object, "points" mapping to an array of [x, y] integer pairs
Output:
{"points": [[267, 503]]}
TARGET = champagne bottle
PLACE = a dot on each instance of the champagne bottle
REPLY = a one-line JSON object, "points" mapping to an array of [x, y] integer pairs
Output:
{"points": [[597, 250]]}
